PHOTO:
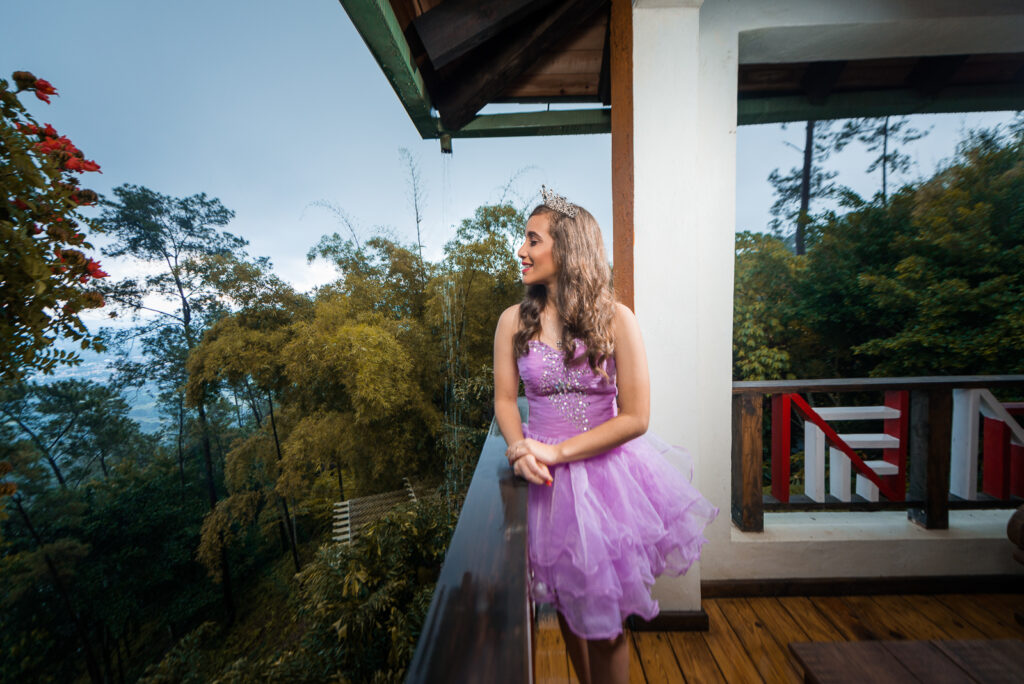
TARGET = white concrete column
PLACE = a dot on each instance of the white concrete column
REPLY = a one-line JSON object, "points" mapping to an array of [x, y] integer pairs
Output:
{"points": [[684, 113]]}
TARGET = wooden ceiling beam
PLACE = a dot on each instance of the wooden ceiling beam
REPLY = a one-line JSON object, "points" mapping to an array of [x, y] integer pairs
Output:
{"points": [[455, 27], [820, 79], [604, 80], [464, 91], [931, 74]]}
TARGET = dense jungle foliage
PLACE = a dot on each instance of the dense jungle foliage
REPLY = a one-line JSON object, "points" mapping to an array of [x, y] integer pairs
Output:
{"points": [[202, 553], [928, 280]]}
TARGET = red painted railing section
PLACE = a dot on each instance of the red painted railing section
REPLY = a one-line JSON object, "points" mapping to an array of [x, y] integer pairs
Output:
{"points": [[781, 441], [1002, 464], [894, 487], [900, 429], [833, 438]]}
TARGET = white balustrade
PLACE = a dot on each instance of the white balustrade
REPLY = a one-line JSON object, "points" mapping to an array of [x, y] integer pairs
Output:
{"points": [[968, 405], [839, 464]]}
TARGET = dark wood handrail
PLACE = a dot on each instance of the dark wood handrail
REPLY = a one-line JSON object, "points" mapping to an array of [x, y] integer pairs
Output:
{"points": [[479, 626], [875, 384]]}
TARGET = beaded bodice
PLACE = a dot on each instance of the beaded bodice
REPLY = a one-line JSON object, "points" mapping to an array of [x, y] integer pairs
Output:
{"points": [[565, 399]]}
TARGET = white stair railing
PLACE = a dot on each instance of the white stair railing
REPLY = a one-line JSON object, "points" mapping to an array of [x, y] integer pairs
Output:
{"points": [[839, 464], [968, 406]]}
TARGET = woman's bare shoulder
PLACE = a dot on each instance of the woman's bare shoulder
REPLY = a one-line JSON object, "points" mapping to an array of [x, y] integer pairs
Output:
{"points": [[625, 326], [508, 322], [623, 316]]}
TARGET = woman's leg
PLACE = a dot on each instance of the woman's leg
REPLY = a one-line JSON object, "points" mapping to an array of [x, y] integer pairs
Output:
{"points": [[577, 649], [609, 660]]}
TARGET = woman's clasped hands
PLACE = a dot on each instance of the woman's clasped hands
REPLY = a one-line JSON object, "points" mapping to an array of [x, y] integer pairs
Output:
{"points": [[531, 459]]}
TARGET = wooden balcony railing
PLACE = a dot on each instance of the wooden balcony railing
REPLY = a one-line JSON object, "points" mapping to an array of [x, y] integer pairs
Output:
{"points": [[919, 437], [479, 627]]}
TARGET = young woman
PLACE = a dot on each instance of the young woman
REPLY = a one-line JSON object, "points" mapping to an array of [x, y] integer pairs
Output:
{"points": [[607, 511]]}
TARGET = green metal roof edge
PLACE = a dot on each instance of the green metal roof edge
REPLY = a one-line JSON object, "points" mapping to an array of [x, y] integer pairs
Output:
{"points": [[376, 23], [552, 122], [878, 103]]}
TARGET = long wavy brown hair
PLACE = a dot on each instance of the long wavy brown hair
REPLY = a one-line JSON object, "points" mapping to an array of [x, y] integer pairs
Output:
{"points": [[583, 298]]}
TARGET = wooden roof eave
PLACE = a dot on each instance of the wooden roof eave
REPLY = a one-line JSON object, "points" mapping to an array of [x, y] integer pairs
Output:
{"points": [[877, 103], [376, 22]]}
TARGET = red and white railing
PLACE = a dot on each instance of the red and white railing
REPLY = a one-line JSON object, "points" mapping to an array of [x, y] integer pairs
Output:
{"points": [[1002, 446], [924, 459]]}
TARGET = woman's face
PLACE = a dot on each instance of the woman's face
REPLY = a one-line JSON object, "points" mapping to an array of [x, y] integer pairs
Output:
{"points": [[536, 253]]}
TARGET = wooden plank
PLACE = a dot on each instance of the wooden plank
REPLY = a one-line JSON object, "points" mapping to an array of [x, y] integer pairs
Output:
{"points": [[850, 663], [586, 62], [806, 614], [1002, 608], [730, 655], [780, 624], [993, 622], [621, 84], [857, 384], [550, 659], [954, 626], [636, 666], [988, 661], [747, 501], [846, 618], [767, 654], [659, 661], [695, 658], [455, 27], [903, 617], [571, 87], [464, 91], [926, 662]]}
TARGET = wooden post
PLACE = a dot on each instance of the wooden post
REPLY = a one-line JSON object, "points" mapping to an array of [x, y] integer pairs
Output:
{"points": [[621, 62], [931, 416], [747, 501]]}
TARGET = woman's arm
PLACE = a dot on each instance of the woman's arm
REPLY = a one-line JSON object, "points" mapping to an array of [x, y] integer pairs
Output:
{"points": [[506, 391], [634, 402]]}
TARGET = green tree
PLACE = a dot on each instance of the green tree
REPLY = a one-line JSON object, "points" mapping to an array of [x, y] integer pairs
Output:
{"points": [[46, 274], [765, 324], [174, 236], [795, 189], [952, 304], [924, 282], [883, 135], [244, 350]]}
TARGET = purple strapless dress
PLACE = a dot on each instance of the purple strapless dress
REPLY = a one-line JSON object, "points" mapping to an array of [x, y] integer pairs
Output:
{"points": [[611, 523]]}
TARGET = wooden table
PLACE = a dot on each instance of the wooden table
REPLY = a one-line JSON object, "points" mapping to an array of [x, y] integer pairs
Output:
{"points": [[935, 662]]}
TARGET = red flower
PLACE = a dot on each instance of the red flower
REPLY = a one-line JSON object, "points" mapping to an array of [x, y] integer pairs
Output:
{"points": [[44, 89], [61, 144], [19, 204], [35, 230], [49, 130], [30, 129], [94, 269], [77, 164]]}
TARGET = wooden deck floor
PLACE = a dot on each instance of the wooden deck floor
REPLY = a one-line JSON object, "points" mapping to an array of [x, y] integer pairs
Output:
{"points": [[748, 637]]}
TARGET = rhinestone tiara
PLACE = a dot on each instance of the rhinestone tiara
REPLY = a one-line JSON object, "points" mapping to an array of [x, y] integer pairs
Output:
{"points": [[553, 200]]}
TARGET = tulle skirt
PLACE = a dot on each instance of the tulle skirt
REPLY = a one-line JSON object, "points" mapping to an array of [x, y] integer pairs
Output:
{"points": [[608, 526]]}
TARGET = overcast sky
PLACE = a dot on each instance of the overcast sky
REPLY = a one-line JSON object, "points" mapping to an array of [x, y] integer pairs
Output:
{"points": [[272, 106]]}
